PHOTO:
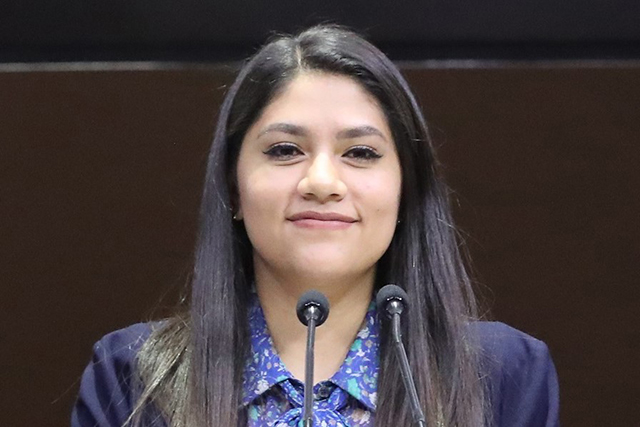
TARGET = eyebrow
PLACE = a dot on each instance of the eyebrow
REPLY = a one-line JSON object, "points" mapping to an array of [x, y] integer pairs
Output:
{"points": [[360, 131], [289, 128], [296, 130]]}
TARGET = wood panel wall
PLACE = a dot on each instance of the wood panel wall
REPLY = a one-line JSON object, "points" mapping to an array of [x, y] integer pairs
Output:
{"points": [[101, 171]]}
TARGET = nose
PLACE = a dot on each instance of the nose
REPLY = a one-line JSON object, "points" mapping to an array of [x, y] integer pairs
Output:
{"points": [[322, 181]]}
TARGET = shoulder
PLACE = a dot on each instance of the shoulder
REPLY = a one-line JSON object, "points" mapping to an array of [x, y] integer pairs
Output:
{"points": [[520, 374], [123, 345], [505, 345], [106, 389]]}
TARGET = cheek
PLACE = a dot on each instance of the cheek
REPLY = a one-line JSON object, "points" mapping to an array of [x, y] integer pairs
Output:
{"points": [[381, 195], [257, 210], [252, 200], [263, 197]]}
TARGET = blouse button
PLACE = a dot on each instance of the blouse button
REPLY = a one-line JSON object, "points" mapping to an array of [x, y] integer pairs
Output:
{"points": [[324, 391]]}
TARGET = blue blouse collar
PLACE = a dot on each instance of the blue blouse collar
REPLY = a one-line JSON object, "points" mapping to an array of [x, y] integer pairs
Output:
{"points": [[357, 376]]}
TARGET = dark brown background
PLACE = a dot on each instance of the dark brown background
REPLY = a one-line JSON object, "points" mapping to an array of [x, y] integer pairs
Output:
{"points": [[100, 175]]}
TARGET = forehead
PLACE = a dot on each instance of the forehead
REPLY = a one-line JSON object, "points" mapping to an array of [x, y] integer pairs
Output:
{"points": [[316, 97]]}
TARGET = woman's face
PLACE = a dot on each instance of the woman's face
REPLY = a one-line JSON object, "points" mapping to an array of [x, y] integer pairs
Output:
{"points": [[319, 180]]}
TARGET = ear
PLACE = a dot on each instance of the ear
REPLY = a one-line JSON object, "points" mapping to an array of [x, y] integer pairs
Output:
{"points": [[234, 198], [237, 216]]}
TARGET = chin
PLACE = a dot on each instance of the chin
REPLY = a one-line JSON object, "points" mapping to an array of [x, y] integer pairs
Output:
{"points": [[330, 268]]}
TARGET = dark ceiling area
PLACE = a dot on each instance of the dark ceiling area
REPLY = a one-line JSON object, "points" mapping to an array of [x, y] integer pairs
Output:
{"points": [[208, 31]]}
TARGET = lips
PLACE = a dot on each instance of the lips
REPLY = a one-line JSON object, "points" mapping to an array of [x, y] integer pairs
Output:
{"points": [[323, 220], [321, 216]]}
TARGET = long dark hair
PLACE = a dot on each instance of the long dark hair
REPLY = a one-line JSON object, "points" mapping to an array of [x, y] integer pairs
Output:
{"points": [[191, 367]]}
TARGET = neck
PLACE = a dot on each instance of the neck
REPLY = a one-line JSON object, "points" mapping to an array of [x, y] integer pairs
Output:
{"points": [[349, 299]]}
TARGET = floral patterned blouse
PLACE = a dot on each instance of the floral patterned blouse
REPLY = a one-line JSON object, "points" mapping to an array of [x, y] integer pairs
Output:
{"points": [[273, 397]]}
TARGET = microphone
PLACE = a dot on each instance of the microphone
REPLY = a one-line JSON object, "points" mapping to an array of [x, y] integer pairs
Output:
{"points": [[392, 300], [312, 310]]}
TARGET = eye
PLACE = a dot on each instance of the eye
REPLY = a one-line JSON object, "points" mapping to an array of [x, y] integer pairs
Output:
{"points": [[283, 151], [362, 153]]}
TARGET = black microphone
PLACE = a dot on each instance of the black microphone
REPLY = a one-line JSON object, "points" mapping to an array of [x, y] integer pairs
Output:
{"points": [[312, 309], [392, 300]]}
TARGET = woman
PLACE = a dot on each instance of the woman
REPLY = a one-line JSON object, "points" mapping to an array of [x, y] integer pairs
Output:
{"points": [[320, 176]]}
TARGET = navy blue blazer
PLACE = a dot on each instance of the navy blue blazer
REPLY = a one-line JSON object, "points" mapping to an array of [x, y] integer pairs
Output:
{"points": [[522, 378]]}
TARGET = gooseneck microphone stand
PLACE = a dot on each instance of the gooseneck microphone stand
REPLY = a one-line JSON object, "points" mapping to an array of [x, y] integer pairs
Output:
{"points": [[392, 300], [312, 310]]}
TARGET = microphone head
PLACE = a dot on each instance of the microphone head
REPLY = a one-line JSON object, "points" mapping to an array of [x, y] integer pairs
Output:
{"points": [[389, 293], [313, 299]]}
